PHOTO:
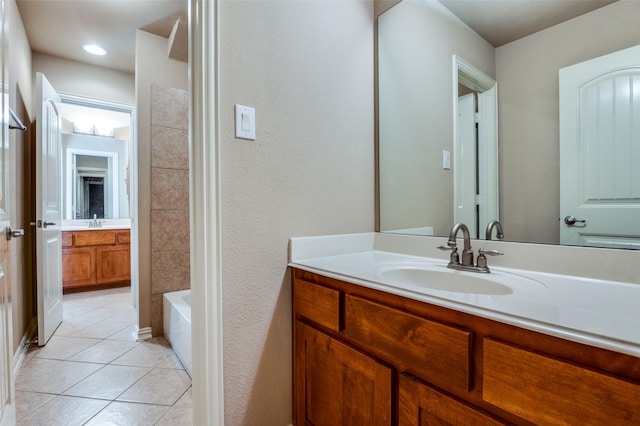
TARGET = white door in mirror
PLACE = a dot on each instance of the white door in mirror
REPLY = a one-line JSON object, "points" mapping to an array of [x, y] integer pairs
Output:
{"points": [[245, 122], [600, 151]]}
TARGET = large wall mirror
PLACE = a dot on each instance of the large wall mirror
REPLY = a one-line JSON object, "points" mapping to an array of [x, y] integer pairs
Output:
{"points": [[95, 156], [418, 41]]}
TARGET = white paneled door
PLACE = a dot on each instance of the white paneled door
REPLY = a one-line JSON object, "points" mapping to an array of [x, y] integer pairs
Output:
{"points": [[600, 151], [48, 210], [465, 164]]}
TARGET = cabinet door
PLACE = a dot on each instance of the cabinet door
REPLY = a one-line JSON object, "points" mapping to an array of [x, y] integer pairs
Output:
{"points": [[78, 266], [419, 404], [113, 264], [337, 385]]}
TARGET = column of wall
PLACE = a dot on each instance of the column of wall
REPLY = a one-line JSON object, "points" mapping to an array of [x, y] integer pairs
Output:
{"points": [[169, 197]]}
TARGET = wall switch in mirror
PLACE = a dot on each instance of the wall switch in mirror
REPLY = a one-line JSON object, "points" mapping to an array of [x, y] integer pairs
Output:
{"points": [[245, 122], [446, 160]]}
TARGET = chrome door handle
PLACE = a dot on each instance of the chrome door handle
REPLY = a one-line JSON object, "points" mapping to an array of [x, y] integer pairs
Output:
{"points": [[13, 233], [44, 223], [571, 220]]}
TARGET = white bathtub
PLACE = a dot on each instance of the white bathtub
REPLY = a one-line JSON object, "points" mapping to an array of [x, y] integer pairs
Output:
{"points": [[177, 324]]}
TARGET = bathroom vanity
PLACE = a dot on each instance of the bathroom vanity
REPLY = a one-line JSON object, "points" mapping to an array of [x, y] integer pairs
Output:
{"points": [[94, 259], [372, 351]]}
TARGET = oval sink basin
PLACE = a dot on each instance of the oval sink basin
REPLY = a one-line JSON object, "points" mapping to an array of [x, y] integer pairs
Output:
{"points": [[447, 280], [439, 277]]}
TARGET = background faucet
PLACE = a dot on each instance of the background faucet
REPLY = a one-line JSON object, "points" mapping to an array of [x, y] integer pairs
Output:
{"points": [[95, 223], [499, 233]]}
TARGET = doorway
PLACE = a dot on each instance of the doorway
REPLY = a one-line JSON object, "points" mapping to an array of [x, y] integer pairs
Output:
{"points": [[99, 142], [475, 148]]}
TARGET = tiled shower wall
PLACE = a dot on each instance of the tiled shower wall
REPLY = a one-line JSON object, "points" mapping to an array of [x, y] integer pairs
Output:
{"points": [[169, 197]]}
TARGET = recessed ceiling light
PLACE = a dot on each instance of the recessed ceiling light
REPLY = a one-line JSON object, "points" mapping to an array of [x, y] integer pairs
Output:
{"points": [[94, 49]]}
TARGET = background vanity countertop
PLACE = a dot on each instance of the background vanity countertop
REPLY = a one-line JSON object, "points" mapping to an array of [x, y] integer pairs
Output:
{"points": [[590, 310], [83, 224]]}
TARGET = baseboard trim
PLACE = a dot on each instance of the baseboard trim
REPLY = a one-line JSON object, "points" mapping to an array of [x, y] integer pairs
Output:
{"points": [[26, 340], [143, 333]]}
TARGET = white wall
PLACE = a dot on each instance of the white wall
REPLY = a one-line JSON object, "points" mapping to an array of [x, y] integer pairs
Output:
{"points": [[527, 74], [416, 42], [76, 78], [307, 68]]}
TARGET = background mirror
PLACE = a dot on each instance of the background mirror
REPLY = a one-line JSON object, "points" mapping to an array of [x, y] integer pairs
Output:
{"points": [[95, 147], [416, 42]]}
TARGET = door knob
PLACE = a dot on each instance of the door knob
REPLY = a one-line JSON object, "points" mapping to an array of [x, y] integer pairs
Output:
{"points": [[571, 220], [13, 233]]}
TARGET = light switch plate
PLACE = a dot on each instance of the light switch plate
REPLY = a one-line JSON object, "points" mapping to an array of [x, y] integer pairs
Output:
{"points": [[245, 122], [446, 160]]}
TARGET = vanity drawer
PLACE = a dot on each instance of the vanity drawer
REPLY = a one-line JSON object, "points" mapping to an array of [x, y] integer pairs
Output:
{"points": [[67, 239], [430, 350], [317, 303], [123, 237], [544, 390], [95, 238]]}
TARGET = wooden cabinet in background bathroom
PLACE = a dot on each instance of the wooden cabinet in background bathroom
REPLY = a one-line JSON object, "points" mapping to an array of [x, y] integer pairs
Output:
{"points": [[95, 259]]}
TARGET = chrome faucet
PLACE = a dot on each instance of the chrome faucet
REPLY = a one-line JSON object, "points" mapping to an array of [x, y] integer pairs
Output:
{"points": [[95, 223], [467, 252], [499, 232]]}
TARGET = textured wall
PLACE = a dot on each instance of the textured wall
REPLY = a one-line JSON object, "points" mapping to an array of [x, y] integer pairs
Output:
{"points": [[169, 196], [307, 68], [80, 79]]}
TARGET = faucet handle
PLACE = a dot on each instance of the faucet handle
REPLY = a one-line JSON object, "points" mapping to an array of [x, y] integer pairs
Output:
{"points": [[490, 252], [446, 248]]}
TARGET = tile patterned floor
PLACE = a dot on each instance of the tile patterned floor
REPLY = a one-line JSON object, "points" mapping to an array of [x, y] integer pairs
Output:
{"points": [[93, 372]]}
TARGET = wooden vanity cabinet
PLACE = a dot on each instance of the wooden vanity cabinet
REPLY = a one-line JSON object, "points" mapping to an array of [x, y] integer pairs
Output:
{"points": [[95, 259], [365, 357]]}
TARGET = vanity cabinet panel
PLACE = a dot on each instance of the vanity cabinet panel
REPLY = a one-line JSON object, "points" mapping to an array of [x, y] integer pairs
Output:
{"points": [[318, 304], [548, 391], [78, 267], [113, 263], [422, 405], [338, 385], [436, 352], [95, 259]]}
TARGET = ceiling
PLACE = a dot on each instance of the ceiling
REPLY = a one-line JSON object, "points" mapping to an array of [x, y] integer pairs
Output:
{"points": [[503, 21], [62, 27]]}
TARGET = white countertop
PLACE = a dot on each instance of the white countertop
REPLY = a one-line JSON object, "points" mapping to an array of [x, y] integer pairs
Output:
{"points": [[105, 224], [596, 312]]}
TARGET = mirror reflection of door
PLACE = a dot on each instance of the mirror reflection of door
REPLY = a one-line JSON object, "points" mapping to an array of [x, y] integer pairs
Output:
{"points": [[475, 162], [600, 151]]}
